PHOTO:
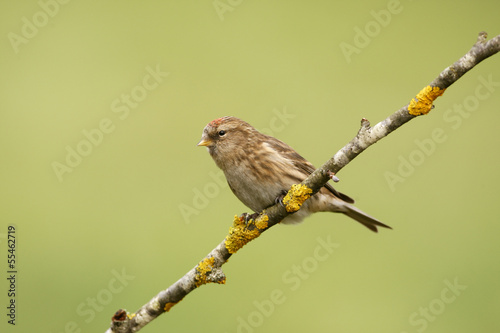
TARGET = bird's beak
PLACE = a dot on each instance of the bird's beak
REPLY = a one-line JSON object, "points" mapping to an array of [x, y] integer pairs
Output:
{"points": [[205, 142]]}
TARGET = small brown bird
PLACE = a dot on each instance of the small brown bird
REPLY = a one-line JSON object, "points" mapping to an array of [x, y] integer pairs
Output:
{"points": [[260, 168]]}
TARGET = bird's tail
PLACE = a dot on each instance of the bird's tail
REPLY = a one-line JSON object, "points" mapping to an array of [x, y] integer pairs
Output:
{"points": [[363, 218]]}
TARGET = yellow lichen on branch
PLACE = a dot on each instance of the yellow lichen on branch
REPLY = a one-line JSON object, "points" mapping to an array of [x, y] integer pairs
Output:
{"points": [[168, 306], [296, 197], [203, 269], [422, 103], [240, 233], [262, 222]]}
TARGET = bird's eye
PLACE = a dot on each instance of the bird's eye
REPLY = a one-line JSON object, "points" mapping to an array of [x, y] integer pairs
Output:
{"points": [[222, 133]]}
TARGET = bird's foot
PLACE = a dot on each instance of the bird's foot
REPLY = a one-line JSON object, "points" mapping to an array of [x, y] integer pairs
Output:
{"points": [[279, 198], [249, 217]]}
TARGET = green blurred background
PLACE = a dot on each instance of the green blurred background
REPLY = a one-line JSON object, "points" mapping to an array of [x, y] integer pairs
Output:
{"points": [[146, 204]]}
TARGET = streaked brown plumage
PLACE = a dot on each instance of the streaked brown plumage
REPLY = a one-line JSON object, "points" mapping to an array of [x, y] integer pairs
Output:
{"points": [[259, 168]]}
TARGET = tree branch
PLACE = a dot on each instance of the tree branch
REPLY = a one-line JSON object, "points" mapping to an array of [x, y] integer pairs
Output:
{"points": [[242, 231]]}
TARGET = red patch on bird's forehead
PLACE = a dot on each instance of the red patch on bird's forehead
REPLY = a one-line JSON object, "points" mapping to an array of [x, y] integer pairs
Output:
{"points": [[216, 122]]}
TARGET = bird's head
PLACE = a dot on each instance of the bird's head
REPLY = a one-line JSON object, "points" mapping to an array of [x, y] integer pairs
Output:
{"points": [[226, 138]]}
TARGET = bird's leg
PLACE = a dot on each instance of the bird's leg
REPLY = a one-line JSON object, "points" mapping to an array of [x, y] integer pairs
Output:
{"points": [[279, 198]]}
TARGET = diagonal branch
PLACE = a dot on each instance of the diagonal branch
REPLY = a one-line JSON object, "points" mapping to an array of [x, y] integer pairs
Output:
{"points": [[209, 269]]}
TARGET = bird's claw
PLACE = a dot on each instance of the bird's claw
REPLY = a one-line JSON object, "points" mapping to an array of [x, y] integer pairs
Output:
{"points": [[249, 217], [279, 198]]}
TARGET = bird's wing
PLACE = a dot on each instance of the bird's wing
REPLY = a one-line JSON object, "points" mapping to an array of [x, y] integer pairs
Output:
{"points": [[302, 164]]}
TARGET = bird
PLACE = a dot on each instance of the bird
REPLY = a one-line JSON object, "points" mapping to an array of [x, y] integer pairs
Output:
{"points": [[260, 168]]}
